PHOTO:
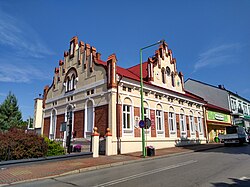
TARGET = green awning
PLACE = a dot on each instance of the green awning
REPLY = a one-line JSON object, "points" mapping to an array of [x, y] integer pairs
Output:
{"points": [[247, 117]]}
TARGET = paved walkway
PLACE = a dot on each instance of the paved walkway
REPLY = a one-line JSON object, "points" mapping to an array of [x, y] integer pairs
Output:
{"points": [[35, 171]]}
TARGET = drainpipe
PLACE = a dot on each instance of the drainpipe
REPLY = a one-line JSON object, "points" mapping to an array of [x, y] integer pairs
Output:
{"points": [[118, 119], [205, 121]]}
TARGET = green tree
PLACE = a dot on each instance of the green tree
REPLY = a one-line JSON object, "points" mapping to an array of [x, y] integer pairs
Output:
{"points": [[10, 115]]}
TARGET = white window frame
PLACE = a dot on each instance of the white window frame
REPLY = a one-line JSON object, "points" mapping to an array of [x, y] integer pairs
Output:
{"points": [[191, 124], [234, 105], [53, 121], [159, 122], [172, 123], [124, 119], [183, 124], [200, 125], [86, 117]]}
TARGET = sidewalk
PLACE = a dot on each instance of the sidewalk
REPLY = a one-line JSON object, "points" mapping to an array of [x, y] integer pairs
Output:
{"points": [[31, 172]]}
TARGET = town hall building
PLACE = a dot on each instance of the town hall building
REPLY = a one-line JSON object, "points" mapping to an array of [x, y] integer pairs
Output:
{"points": [[88, 92]]}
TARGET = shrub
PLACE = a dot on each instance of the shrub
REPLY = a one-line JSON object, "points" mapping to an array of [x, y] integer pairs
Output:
{"points": [[54, 148], [18, 144]]}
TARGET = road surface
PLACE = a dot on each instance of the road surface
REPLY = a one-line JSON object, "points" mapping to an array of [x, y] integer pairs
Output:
{"points": [[226, 166]]}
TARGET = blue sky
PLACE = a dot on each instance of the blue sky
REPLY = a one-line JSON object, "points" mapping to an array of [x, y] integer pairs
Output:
{"points": [[210, 39]]}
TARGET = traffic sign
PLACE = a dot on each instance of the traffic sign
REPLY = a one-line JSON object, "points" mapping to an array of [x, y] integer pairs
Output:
{"points": [[141, 124], [147, 123]]}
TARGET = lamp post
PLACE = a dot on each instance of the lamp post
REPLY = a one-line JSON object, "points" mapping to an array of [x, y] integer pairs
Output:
{"points": [[142, 106]]}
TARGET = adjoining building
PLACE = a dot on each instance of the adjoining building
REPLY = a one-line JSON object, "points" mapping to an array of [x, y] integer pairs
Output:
{"points": [[38, 115], [238, 106], [88, 92], [217, 120]]}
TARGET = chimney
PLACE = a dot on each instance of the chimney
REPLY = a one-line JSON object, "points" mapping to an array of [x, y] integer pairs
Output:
{"points": [[98, 56], [221, 86], [111, 63]]}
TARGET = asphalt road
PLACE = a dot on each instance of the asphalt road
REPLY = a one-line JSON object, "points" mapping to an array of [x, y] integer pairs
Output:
{"points": [[226, 166]]}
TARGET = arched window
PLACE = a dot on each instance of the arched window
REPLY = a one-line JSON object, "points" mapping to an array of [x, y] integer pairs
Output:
{"points": [[163, 75], [90, 116], [182, 122], [172, 78], [73, 78], [127, 116], [171, 120], [191, 121], [159, 119], [52, 130], [200, 124], [68, 84]]}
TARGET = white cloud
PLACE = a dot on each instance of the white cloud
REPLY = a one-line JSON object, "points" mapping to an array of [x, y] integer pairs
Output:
{"points": [[21, 73], [21, 38], [217, 56], [3, 94]]}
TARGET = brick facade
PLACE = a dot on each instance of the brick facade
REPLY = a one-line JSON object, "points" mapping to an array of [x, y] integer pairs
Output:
{"points": [[79, 124], [46, 126], [153, 130], [59, 119], [119, 120], [178, 125], [166, 124], [101, 119], [137, 130]]}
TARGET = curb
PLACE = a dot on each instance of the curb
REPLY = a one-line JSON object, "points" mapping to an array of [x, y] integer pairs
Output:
{"points": [[69, 156], [92, 168]]}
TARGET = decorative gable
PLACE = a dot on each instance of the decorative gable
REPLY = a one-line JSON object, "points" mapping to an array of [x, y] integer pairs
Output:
{"points": [[162, 71]]}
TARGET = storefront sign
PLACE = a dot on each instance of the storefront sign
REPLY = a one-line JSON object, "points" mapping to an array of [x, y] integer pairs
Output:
{"points": [[216, 116], [219, 117], [239, 121]]}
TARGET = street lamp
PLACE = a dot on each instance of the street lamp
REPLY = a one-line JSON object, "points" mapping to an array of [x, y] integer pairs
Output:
{"points": [[142, 107]]}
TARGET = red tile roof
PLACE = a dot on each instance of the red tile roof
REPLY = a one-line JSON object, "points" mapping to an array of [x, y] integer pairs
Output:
{"points": [[134, 73]]}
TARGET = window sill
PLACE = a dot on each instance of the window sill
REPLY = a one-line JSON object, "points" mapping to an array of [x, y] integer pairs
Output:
{"points": [[128, 131], [160, 132]]}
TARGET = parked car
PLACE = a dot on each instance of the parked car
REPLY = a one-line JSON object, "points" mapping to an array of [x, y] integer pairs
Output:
{"points": [[234, 135]]}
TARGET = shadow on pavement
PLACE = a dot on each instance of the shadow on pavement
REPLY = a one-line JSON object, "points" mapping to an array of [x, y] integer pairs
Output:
{"points": [[236, 182]]}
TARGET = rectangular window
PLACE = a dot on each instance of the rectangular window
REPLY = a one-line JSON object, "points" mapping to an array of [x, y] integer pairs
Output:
{"points": [[124, 88], [171, 121], [191, 121], [129, 89], [240, 109], [159, 124], [245, 108], [182, 123], [200, 125], [127, 117], [233, 102]]}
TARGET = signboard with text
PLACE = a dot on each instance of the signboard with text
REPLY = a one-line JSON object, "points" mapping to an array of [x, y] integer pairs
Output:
{"points": [[217, 116]]}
